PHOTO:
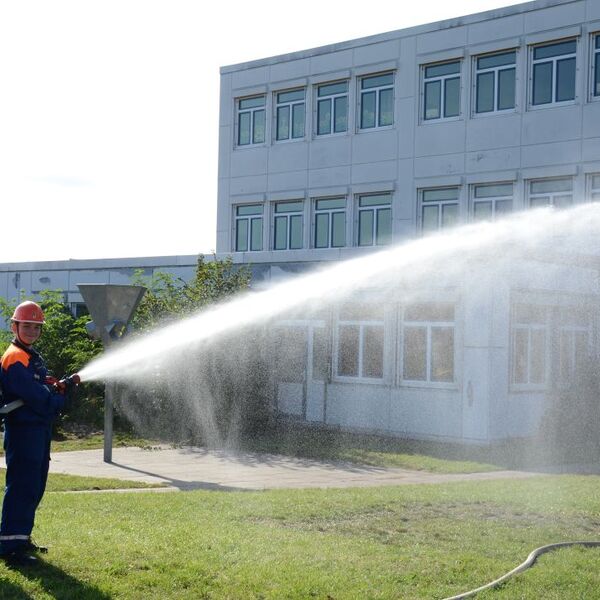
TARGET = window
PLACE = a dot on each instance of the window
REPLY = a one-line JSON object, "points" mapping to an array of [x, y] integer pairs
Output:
{"points": [[290, 115], [574, 342], [248, 227], [595, 188], [596, 66], [377, 101], [288, 221], [439, 208], [374, 220], [551, 192], [491, 200], [553, 73], [441, 90], [332, 108], [428, 342], [529, 344], [251, 121], [360, 341], [495, 82], [330, 223]]}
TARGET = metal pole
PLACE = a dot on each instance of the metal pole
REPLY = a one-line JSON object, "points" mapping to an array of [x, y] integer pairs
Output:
{"points": [[108, 422]]}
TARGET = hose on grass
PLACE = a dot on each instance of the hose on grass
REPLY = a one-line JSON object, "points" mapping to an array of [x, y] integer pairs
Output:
{"points": [[524, 565]]}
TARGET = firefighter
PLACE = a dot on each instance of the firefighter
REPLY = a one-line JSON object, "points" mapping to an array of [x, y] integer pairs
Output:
{"points": [[27, 433]]}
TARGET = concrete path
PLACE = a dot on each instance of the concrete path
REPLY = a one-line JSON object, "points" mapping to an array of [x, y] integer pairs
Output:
{"points": [[197, 468]]}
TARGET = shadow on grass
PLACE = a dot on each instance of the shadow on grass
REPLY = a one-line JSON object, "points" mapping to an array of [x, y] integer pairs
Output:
{"points": [[54, 581]]}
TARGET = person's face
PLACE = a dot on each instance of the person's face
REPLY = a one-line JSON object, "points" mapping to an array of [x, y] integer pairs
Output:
{"points": [[27, 333]]}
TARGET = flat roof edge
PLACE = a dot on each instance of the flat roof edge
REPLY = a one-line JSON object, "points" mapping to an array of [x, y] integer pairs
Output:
{"points": [[495, 13]]}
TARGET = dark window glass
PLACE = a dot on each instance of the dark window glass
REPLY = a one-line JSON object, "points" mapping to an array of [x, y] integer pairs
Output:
{"points": [[449, 215], [433, 90], [443, 69], [280, 233], [374, 200], [452, 97], [542, 83], [597, 72], [293, 96], [492, 190], [348, 350], [442, 354], [258, 135], [249, 209], [415, 354], [365, 228], [324, 117], [482, 211], [283, 122], [520, 356], [537, 373], [244, 128], [373, 352], [429, 311], [565, 80], [503, 207], [384, 226], [496, 60], [430, 219], [298, 121], [506, 89], [241, 240], [256, 234], [440, 194], [252, 102], [322, 230], [552, 50], [295, 231], [330, 203], [293, 206], [338, 230], [386, 108], [367, 110], [332, 89], [377, 81], [485, 92], [341, 114]]}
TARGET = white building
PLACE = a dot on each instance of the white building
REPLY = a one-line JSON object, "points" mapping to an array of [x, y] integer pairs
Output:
{"points": [[331, 152]]}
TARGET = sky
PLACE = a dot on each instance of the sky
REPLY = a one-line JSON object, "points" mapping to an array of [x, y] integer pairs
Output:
{"points": [[109, 112]]}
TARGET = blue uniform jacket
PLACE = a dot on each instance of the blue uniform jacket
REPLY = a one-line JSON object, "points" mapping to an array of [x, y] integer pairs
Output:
{"points": [[22, 375]]}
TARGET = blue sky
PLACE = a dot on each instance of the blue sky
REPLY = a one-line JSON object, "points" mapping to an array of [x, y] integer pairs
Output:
{"points": [[109, 112]]}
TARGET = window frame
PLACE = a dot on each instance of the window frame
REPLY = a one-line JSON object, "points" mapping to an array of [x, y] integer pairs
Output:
{"points": [[443, 79], [593, 191], [363, 324], [331, 99], [440, 203], [249, 218], [494, 200], [496, 73], [376, 209], [595, 67], [377, 90], [288, 215], [572, 330], [330, 212], [551, 194], [251, 111], [428, 325], [553, 60], [290, 105]]}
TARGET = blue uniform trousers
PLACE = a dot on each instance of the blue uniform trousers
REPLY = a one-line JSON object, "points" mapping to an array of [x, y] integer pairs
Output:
{"points": [[27, 450]]}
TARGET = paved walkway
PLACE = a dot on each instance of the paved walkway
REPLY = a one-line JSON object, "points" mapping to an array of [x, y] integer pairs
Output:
{"points": [[197, 468]]}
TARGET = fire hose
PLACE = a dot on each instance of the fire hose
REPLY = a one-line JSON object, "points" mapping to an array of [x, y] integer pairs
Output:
{"points": [[533, 556]]}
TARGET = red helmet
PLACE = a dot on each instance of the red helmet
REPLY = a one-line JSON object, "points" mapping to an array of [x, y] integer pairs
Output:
{"points": [[28, 312]]}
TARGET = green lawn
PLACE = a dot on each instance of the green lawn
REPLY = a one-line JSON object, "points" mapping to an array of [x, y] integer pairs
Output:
{"points": [[427, 541]]}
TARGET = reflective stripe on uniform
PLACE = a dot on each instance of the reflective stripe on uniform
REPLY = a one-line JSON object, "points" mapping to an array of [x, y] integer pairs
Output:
{"points": [[4, 538]]}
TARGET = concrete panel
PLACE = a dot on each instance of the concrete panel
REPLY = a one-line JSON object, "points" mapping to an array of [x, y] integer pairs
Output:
{"points": [[591, 150], [376, 53], [330, 151], [433, 166], [359, 406], [593, 10], [407, 117], [407, 81], [495, 29], [49, 280], [290, 180], [374, 146], [500, 131], [334, 176], [288, 156], [524, 412], [250, 77], [493, 160], [223, 241], [405, 229], [226, 101], [557, 153], [551, 124], [290, 69], [374, 172], [591, 120], [333, 61], [476, 394], [440, 138], [442, 39], [226, 144], [554, 17], [248, 185], [92, 276], [3, 285], [249, 161]]}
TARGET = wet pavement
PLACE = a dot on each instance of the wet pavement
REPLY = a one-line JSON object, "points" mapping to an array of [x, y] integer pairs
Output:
{"points": [[191, 468]]}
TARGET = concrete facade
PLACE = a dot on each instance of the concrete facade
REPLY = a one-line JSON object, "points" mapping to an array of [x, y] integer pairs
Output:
{"points": [[503, 106]]}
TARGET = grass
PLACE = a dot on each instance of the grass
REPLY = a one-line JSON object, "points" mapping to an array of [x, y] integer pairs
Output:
{"points": [[405, 542]]}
